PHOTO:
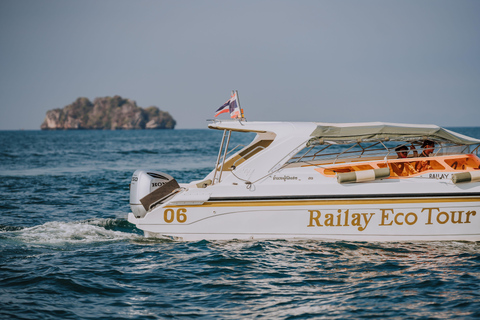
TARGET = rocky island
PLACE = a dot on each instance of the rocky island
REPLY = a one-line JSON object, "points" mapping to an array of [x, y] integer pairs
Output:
{"points": [[107, 113]]}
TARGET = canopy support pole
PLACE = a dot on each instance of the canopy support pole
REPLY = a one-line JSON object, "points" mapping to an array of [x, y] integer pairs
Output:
{"points": [[218, 158], [224, 155]]}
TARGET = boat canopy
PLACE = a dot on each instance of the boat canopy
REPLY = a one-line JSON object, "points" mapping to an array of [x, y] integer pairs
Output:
{"points": [[347, 133]]}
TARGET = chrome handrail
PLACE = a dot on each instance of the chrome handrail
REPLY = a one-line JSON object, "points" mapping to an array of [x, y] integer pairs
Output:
{"points": [[218, 158], [224, 156]]}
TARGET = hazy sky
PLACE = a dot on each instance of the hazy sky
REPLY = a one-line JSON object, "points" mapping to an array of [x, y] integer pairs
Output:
{"points": [[332, 61]]}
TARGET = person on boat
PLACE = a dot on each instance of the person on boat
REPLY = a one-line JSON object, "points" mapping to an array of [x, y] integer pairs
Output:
{"points": [[402, 151], [403, 169], [428, 147]]}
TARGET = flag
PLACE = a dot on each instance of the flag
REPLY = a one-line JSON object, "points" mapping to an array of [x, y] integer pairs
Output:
{"points": [[230, 106]]}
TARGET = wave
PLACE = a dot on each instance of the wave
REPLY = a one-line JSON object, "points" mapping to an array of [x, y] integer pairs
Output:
{"points": [[9, 228], [4, 155], [141, 151], [77, 232]]}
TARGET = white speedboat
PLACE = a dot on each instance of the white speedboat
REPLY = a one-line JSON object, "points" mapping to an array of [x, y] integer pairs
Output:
{"points": [[351, 181]]}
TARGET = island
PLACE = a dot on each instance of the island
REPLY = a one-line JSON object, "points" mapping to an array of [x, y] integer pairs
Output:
{"points": [[108, 113]]}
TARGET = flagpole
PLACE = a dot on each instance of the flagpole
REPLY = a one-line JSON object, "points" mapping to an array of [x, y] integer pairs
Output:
{"points": [[239, 107]]}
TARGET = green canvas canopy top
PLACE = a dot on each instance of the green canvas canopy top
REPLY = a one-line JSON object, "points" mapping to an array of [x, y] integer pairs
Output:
{"points": [[379, 131]]}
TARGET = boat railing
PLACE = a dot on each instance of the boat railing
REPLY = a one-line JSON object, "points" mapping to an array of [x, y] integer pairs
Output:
{"points": [[221, 159], [363, 150], [329, 162], [336, 155], [226, 135], [359, 150]]}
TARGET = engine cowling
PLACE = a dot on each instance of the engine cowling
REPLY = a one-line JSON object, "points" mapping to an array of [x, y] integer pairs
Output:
{"points": [[149, 188]]}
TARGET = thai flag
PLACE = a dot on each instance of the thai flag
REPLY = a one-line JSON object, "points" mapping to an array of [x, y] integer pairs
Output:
{"points": [[230, 106]]}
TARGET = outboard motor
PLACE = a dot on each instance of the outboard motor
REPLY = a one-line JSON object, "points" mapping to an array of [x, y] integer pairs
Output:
{"points": [[149, 188]]}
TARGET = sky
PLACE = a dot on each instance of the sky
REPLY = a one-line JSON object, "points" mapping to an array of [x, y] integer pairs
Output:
{"points": [[409, 61]]}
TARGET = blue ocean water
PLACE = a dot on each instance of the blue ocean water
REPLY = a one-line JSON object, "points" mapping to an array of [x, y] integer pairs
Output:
{"points": [[67, 251]]}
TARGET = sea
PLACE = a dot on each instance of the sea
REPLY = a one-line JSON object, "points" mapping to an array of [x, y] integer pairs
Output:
{"points": [[68, 252]]}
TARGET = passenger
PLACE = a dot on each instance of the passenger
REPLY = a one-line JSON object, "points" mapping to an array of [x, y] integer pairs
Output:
{"points": [[402, 151], [404, 168], [428, 147]]}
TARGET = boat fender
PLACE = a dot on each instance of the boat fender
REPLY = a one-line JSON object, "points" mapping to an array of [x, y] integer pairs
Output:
{"points": [[471, 176], [363, 176]]}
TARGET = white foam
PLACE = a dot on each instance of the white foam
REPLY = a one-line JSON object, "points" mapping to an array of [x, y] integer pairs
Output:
{"points": [[78, 232]]}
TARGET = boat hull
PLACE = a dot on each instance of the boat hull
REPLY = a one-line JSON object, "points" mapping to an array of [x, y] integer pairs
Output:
{"points": [[353, 219]]}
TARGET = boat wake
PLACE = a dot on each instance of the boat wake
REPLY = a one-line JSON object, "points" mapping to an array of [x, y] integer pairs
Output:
{"points": [[76, 232]]}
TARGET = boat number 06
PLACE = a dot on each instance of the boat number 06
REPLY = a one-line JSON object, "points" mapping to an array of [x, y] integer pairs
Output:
{"points": [[169, 215]]}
